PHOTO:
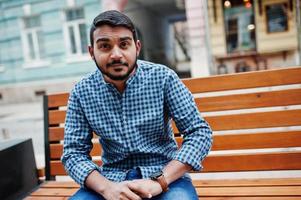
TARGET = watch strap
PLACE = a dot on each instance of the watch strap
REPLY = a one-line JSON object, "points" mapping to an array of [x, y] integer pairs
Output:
{"points": [[162, 181]]}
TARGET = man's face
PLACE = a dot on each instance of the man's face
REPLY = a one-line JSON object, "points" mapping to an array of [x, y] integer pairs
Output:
{"points": [[115, 51]]}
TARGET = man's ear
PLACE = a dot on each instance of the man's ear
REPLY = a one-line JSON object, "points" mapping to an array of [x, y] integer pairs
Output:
{"points": [[90, 48], [138, 47]]}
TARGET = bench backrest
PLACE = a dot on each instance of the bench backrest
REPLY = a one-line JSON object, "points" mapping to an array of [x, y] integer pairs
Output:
{"points": [[255, 116]]}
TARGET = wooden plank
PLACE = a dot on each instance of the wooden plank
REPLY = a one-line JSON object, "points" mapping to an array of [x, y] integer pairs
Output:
{"points": [[251, 100], [248, 182], [254, 140], [250, 191], [269, 119], [48, 198], [60, 192], [255, 120], [56, 134], [60, 184], [56, 167], [257, 140], [57, 100], [253, 162], [56, 117], [245, 80], [56, 150]]}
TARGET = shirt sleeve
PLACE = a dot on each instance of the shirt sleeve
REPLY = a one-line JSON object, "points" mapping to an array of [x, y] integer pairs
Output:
{"points": [[197, 135], [77, 142]]}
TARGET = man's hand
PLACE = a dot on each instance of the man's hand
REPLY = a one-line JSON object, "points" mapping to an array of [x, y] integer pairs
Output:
{"points": [[145, 188], [123, 191]]}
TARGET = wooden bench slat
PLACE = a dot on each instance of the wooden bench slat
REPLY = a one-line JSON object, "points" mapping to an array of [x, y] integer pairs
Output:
{"points": [[269, 119], [248, 182], [255, 120], [56, 134], [56, 150], [252, 100], [63, 192], [257, 140], [60, 184], [250, 191], [48, 198], [57, 117], [57, 100], [245, 80], [253, 162], [253, 140]]}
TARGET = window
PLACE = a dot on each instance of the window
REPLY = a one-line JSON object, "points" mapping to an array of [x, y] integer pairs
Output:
{"points": [[75, 32], [239, 25], [277, 20], [32, 38]]}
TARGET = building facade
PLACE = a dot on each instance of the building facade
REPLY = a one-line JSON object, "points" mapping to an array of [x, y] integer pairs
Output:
{"points": [[43, 43], [248, 35], [43, 46]]}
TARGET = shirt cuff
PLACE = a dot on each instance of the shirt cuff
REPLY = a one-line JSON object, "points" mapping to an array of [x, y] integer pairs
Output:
{"points": [[190, 157], [80, 171]]}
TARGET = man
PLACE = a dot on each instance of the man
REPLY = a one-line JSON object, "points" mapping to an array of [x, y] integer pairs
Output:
{"points": [[129, 104]]}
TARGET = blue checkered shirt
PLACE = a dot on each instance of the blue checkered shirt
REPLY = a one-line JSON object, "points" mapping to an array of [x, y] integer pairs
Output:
{"points": [[134, 126]]}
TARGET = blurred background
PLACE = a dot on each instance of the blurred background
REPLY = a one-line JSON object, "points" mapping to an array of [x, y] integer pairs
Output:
{"points": [[43, 46]]}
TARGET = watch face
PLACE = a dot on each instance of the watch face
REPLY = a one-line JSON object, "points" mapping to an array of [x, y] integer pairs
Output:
{"points": [[156, 175]]}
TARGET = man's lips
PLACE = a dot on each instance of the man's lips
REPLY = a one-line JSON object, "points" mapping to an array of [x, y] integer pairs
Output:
{"points": [[117, 64]]}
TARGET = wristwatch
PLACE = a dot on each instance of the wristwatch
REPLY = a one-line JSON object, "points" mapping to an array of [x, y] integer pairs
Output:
{"points": [[159, 177]]}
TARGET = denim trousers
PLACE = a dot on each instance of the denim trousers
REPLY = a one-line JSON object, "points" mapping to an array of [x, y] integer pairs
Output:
{"points": [[181, 189]]}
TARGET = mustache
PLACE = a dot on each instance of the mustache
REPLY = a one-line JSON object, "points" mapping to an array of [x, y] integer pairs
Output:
{"points": [[117, 62]]}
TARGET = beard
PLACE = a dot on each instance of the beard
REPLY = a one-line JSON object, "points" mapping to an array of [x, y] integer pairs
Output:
{"points": [[118, 77]]}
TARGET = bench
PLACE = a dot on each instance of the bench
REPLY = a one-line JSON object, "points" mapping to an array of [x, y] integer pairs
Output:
{"points": [[256, 119]]}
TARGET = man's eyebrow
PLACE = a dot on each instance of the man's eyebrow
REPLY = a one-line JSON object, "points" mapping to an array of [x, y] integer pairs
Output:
{"points": [[125, 38], [102, 40]]}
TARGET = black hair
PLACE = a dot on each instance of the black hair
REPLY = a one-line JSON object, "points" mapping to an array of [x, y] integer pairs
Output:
{"points": [[112, 18]]}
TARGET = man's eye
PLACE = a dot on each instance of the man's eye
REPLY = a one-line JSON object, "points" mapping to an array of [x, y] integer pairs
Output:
{"points": [[104, 46], [124, 44]]}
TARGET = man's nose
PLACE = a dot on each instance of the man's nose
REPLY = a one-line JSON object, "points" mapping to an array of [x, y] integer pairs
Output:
{"points": [[116, 53]]}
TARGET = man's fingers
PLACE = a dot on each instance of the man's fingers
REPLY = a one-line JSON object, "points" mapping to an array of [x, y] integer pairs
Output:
{"points": [[130, 194], [139, 190]]}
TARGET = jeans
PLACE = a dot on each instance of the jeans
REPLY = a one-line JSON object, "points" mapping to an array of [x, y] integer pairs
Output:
{"points": [[181, 189]]}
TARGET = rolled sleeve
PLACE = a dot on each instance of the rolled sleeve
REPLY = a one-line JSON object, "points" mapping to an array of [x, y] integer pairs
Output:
{"points": [[77, 142], [197, 135]]}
